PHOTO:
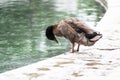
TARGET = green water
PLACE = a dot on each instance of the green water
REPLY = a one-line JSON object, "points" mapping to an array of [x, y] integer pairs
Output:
{"points": [[23, 24]]}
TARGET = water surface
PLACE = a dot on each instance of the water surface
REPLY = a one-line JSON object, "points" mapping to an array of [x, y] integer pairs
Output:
{"points": [[23, 24]]}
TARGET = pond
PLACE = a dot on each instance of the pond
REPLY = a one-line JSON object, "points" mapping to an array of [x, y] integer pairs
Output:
{"points": [[23, 24]]}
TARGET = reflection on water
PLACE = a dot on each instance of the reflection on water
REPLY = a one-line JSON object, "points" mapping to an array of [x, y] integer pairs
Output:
{"points": [[23, 24], [64, 5]]}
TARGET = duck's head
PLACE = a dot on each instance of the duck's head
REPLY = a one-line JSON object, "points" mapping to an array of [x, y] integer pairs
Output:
{"points": [[49, 33]]}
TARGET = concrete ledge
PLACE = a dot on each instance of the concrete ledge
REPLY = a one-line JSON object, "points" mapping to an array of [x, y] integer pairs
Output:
{"points": [[93, 64], [85, 66], [100, 61]]}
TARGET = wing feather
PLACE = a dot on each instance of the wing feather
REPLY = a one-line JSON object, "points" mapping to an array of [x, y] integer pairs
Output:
{"points": [[79, 26]]}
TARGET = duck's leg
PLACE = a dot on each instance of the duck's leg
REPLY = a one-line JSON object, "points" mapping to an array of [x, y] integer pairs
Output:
{"points": [[78, 47], [73, 44]]}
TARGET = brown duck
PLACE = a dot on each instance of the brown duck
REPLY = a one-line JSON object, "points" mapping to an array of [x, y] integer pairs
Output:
{"points": [[75, 31]]}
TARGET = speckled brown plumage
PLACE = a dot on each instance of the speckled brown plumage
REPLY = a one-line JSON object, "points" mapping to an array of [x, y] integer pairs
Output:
{"points": [[75, 31]]}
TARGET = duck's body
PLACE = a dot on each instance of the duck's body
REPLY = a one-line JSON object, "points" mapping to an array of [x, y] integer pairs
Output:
{"points": [[73, 30]]}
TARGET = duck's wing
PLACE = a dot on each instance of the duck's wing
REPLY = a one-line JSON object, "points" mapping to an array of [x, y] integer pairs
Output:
{"points": [[78, 25]]}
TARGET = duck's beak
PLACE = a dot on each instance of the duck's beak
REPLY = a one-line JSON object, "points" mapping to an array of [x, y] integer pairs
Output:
{"points": [[56, 40]]}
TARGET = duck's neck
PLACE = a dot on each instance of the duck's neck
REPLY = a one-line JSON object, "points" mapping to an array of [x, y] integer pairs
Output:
{"points": [[56, 30]]}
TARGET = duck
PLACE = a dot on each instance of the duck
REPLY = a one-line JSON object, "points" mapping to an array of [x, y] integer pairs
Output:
{"points": [[76, 31]]}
